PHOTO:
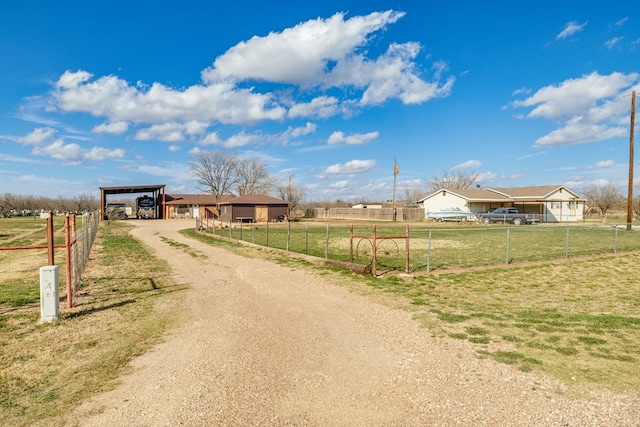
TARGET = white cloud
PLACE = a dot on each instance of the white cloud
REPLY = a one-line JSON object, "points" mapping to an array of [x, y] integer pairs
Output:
{"points": [[390, 76], [320, 107], [469, 164], [74, 154], [116, 100], [338, 137], [211, 139], [611, 43], [309, 128], [353, 167], [605, 163], [487, 177], [37, 136], [240, 140], [578, 131], [590, 108], [100, 153], [69, 153], [171, 132], [15, 159], [116, 128], [570, 29], [622, 21], [316, 56], [300, 54]]}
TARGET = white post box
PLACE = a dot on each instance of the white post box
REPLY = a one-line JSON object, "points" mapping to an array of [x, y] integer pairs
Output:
{"points": [[49, 299]]}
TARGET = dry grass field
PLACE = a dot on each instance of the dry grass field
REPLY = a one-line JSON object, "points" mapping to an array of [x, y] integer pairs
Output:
{"points": [[576, 320]]}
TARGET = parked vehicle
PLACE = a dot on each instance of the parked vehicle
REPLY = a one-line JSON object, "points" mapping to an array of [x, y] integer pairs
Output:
{"points": [[145, 207], [451, 215], [509, 215], [115, 211]]}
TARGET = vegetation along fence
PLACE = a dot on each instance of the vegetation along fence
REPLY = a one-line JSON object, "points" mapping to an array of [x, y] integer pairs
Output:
{"points": [[422, 248], [62, 233]]}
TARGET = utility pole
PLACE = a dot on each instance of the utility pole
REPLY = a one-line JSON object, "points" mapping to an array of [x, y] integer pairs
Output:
{"points": [[395, 173], [630, 196]]}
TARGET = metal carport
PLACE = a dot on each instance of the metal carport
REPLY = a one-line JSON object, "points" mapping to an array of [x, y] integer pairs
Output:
{"points": [[156, 190]]}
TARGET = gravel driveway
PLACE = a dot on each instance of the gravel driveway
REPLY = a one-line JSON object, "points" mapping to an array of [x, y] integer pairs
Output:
{"points": [[268, 345]]}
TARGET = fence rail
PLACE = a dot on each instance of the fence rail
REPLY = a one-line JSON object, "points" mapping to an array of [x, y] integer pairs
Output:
{"points": [[434, 248], [78, 240]]}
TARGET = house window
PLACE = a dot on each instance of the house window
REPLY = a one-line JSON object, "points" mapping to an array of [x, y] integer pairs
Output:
{"points": [[555, 205], [572, 205]]}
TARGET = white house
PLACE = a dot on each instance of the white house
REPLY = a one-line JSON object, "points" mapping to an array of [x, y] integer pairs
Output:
{"points": [[554, 203]]}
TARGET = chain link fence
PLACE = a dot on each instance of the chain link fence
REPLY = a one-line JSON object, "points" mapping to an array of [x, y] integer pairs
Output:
{"points": [[432, 248]]}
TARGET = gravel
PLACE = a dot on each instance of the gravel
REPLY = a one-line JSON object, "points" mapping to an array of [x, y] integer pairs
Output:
{"points": [[267, 345]]}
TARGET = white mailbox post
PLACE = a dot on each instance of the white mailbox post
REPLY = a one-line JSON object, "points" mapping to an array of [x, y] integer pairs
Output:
{"points": [[49, 300]]}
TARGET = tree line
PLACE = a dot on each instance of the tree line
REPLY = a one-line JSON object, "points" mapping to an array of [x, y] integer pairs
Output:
{"points": [[224, 173], [14, 204]]}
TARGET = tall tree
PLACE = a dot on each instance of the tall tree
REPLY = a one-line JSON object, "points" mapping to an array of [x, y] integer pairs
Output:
{"points": [[253, 177], [453, 181], [215, 171], [291, 193], [603, 198]]}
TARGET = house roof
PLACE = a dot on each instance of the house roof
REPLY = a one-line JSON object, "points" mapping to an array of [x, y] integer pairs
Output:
{"points": [[254, 199], [194, 199], [471, 195], [536, 193], [533, 193]]}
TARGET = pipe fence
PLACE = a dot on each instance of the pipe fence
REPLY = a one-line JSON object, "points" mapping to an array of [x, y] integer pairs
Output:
{"points": [[424, 248], [78, 240]]}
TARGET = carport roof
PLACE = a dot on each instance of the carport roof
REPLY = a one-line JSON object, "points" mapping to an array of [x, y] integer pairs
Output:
{"points": [[131, 189], [194, 199]]}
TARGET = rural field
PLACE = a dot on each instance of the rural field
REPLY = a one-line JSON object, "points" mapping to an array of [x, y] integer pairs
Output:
{"points": [[437, 246], [575, 319]]}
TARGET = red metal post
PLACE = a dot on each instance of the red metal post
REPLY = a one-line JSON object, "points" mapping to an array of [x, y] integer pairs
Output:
{"points": [[50, 243], [351, 244], [374, 270], [67, 245], [406, 261]]}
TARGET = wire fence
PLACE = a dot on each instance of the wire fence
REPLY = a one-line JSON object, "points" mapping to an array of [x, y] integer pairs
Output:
{"points": [[424, 248], [74, 238]]}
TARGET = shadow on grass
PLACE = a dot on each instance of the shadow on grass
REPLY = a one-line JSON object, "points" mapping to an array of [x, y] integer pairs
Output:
{"points": [[96, 309]]}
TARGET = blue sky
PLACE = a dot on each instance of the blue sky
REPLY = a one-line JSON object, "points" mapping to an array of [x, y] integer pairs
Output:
{"points": [[122, 93]]}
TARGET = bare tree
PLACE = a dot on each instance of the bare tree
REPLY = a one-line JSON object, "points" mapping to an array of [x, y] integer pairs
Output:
{"points": [[291, 193], [452, 180], [636, 200], [252, 177], [603, 198], [413, 195], [215, 171]]}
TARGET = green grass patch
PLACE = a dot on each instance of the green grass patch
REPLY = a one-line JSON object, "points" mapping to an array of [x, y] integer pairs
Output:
{"points": [[436, 246], [123, 307], [574, 321], [577, 321]]}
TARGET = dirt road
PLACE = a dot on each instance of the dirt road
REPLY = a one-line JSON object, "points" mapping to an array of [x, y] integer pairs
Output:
{"points": [[269, 345]]}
